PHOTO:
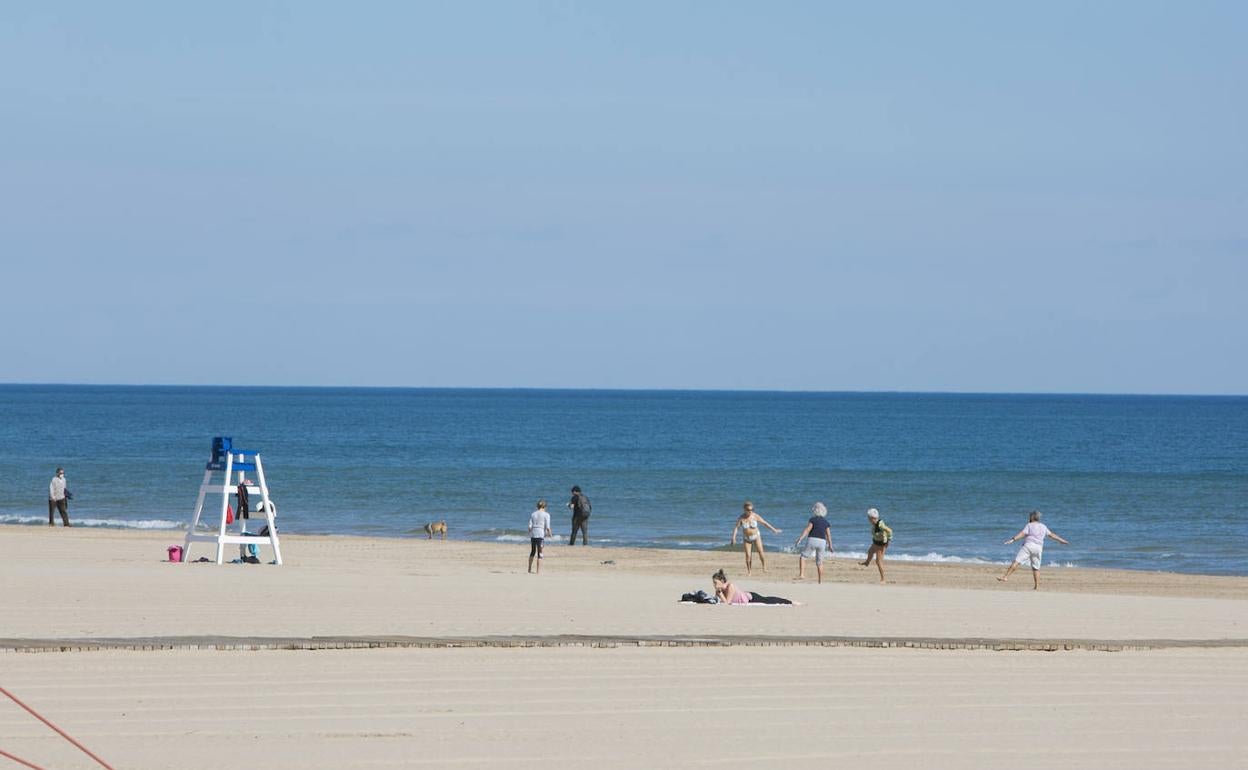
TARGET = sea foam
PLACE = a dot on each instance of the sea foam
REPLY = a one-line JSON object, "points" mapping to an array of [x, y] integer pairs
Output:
{"points": [[101, 523]]}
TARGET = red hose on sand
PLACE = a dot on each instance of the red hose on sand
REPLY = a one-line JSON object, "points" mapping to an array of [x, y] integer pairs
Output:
{"points": [[58, 731], [19, 760]]}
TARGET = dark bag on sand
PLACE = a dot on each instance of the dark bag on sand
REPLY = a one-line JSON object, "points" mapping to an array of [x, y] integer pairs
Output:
{"points": [[699, 597]]}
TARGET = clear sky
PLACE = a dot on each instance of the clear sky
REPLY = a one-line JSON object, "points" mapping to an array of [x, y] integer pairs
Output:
{"points": [[818, 196]]}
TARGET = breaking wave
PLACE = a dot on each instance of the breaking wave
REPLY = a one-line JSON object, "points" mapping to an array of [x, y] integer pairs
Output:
{"points": [[99, 523]]}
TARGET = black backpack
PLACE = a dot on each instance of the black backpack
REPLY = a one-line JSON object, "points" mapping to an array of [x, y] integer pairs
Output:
{"points": [[582, 506]]}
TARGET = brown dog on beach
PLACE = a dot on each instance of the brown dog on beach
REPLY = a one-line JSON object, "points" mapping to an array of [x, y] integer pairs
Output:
{"points": [[435, 528]]}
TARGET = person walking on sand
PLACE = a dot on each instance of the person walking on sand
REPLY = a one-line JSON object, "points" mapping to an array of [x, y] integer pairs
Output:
{"points": [[881, 536], [539, 530], [58, 498], [818, 534], [580, 507], [1033, 536], [751, 535], [727, 593]]}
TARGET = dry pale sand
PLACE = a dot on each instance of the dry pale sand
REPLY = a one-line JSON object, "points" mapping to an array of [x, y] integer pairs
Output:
{"points": [[81, 583], [629, 707], [620, 706]]}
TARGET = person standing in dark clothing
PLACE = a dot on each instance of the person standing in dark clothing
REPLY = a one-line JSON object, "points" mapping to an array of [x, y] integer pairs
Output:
{"points": [[580, 507]]}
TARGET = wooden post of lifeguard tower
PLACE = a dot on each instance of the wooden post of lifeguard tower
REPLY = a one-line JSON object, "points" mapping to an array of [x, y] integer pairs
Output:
{"points": [[228, 461]]}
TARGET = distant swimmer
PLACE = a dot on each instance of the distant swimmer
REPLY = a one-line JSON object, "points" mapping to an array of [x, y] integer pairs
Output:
{"points": [[751, 535], [1032, 551], [881, 536]]}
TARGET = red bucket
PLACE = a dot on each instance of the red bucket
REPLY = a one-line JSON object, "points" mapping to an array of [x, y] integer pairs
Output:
{"points": [[175, 553]]}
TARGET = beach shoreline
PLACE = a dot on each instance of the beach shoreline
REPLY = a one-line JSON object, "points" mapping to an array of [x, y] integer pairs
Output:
{"points": [[78, 582], [691, 561], [404, 652]]}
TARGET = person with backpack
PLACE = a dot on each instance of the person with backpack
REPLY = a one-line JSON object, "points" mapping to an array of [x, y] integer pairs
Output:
{"points": [[881, 536], [581, 508]]}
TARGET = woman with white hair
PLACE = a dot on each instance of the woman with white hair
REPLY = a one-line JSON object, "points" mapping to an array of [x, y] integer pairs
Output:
{"points": [[818, 534], [1032, 552]]}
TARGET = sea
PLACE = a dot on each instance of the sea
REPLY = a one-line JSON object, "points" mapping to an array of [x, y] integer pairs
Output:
{"points": [[1134, 482]]}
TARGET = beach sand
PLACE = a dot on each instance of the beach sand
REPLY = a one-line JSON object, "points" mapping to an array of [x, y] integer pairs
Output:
{"points": [[594, 661]]}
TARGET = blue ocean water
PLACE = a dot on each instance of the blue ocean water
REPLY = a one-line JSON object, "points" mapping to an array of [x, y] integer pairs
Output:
{"points": [[1134, 482]]}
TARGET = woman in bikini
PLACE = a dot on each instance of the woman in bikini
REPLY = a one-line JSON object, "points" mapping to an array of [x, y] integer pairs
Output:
{"points": [[747, 524], [727, 593]]}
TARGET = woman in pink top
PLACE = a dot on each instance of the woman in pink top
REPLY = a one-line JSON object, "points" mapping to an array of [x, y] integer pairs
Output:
{"points": [[1033, 536], [727, 593]]}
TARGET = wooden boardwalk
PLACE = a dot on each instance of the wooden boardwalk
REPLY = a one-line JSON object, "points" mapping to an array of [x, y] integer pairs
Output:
{"points": [[434, 642]]}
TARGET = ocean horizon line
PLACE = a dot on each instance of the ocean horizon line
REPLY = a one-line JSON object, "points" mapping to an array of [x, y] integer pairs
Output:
{"points": [[614, 390]]}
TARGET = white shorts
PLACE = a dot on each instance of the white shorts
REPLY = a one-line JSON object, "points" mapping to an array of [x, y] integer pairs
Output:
{"points": [[815, 549], [1030, 553]]}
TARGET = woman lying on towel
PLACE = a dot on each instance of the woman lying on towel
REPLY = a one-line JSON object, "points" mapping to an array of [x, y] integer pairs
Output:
{"points": [[730, 594]]}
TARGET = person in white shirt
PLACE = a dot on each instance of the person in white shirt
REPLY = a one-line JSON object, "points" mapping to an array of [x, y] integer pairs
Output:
{"points": [[58, 498], [1033, 536], [539, 530]]}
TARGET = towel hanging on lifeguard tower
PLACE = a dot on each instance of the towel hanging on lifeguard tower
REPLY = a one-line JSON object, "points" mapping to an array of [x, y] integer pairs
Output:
{"points": [[228, 461]]}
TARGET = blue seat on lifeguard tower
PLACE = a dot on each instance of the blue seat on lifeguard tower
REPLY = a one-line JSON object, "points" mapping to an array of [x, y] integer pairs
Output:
{"points": [[222, 448]]}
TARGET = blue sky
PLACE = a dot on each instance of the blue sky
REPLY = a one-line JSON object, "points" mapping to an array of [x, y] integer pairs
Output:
{"points": [[815, 196]]}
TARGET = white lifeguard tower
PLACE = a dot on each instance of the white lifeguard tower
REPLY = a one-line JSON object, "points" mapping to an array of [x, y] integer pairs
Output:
{"points": [[228, 461]]}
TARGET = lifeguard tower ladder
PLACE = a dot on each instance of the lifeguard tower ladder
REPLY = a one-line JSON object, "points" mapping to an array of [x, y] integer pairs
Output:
{"points": [[228, 460]]}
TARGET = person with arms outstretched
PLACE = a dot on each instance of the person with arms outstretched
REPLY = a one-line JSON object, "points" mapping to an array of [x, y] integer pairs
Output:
{"points": [[1032, 550], [881, 536], [751, 535]]}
